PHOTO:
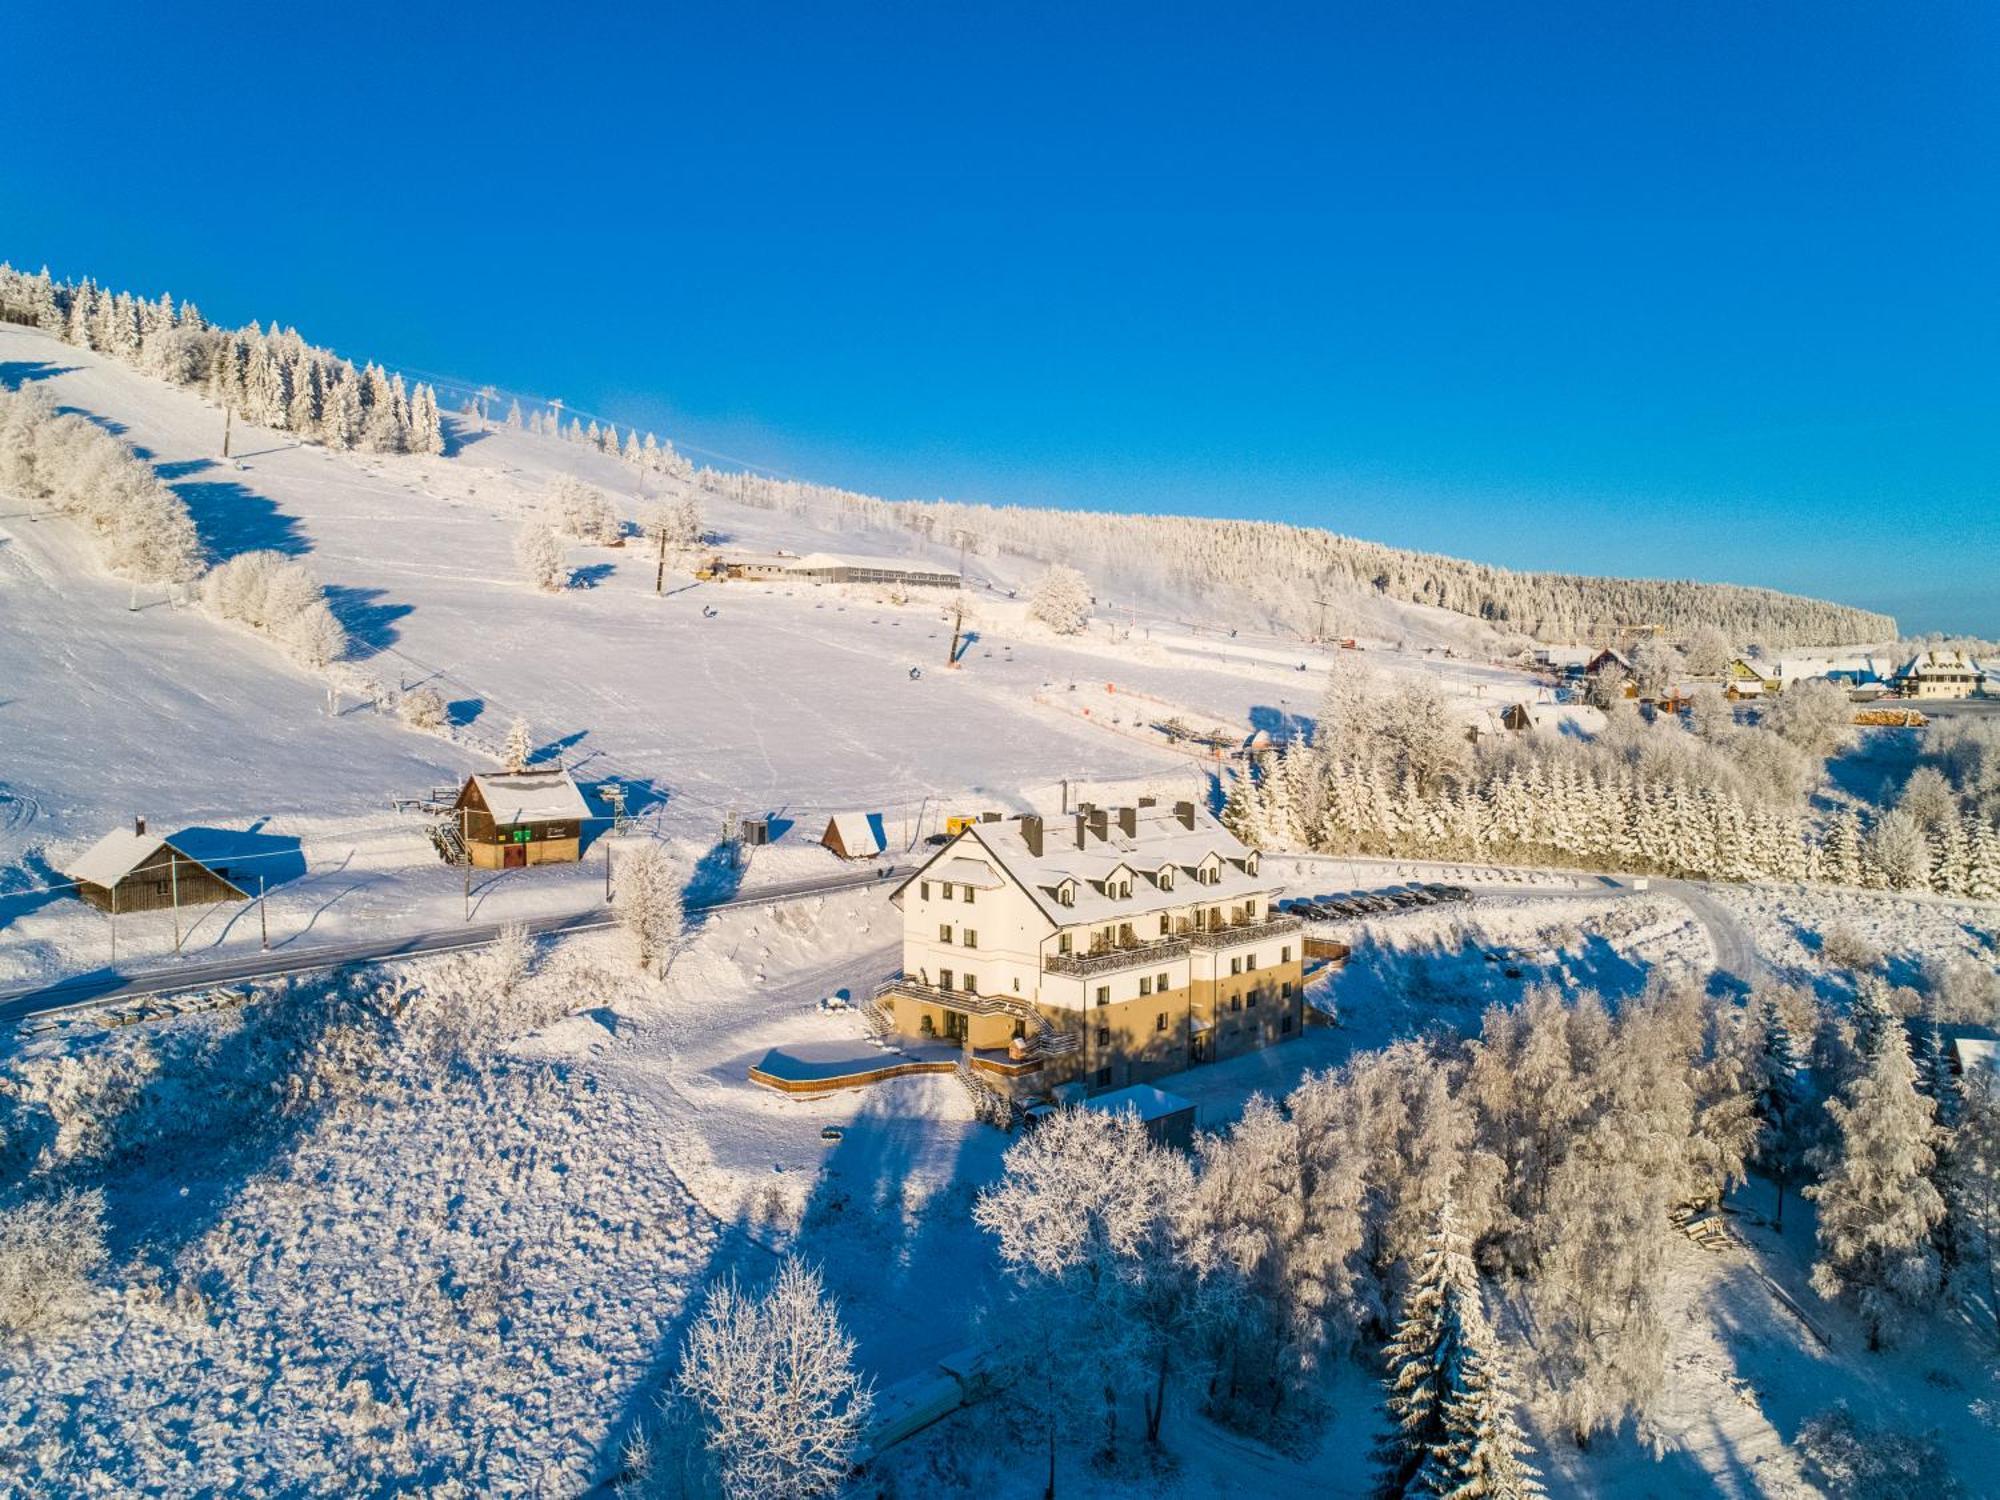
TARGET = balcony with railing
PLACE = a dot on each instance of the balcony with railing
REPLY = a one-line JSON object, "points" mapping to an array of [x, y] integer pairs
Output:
{"points": [[971, 1002], [1275, 925], [1109, 960]]}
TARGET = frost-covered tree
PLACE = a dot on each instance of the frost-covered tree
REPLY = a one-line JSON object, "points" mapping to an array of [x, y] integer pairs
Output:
{"points": [[1814, 715], [1895, 846], [1089, 1219], [583, 512], [519, 747], [646, 899], [514, 413], [426, 423], [423, 708], [538, 552], [774, 1380], [1061, 601], [1708, 650], [1877, 1206], [1972, 1185]]}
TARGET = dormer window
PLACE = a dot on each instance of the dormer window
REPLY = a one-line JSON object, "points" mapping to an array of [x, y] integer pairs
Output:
{"points": [[1166, 877], [1066, 893], [1250, 863]]}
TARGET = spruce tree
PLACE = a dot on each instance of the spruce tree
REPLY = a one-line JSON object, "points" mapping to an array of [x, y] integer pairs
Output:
{"points": [[1877, 1206], [1782, 1105], [1455, 1430]]}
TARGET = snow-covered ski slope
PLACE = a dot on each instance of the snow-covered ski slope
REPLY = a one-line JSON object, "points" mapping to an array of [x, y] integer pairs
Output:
{"points": [[792, 700]]}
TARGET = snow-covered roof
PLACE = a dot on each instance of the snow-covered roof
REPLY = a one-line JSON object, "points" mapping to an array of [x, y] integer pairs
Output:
{"points": [[1976, 1052], [817, 561], [860, 832], [113, 857], [532, 797], [1143, 1099], [1159, 842], [976, 873], [1936, 661]]}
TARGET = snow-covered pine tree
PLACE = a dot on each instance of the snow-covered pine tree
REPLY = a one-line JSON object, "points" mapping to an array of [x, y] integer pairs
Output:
{"points": [[1455, 1427], [520, 745], [1972, 1186], [1783, 1104], [514, 412], [1877, 1206]]}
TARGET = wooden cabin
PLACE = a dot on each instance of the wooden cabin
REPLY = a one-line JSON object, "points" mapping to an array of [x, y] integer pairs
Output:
{"points": [[133, 870], [855, 835], [510, 819]]}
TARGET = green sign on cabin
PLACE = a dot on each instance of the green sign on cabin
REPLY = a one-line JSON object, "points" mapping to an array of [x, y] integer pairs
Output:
{"points": [[522, 835]]}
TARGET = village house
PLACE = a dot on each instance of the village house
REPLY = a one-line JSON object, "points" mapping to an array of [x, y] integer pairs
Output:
{"points": [[1938, 674], [514, 818], [130, 870], [1552, 719], [1110, 947]]}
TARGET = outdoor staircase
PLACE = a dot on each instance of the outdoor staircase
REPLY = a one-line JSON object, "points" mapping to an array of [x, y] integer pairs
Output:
{"points": [[450, 842], [988, 1103]]}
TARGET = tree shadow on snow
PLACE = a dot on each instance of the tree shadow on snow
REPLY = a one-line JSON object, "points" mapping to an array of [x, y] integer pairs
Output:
{"points": [[231, 518], [15, 373], [462, 711], [370, 626], [26, 887], [717, 875], [591, 575], [244, 856]]}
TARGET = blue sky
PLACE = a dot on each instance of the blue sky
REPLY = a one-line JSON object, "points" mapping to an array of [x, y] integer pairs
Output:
{"points": [[1695, 290]]}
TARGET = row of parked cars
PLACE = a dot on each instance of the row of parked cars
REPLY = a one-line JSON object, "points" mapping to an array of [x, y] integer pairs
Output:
{"points": [[1373, 903]]}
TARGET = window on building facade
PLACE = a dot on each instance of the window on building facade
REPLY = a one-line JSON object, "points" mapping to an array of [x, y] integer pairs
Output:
{"points": [[971, 984], [1160, 1021], [969, 893], [1104, 994], [1145, 984], [1236, 965], [944, 932], [944, 979], [924, 889], [1250, 999], [1104, 1036], [945, 890], [1166, 924], [1285, 1025], [1249, 963], [1062, 942], [1236, 1002], [971, 938], [1285, 954], [1161, 985]]}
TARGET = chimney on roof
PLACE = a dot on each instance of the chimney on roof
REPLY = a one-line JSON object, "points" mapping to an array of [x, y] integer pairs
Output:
{"points": [[1082, 827], [1149, 801], [989, 817], [1031, 833], [1100, 822], [1185, 812], [139, 825], [1128, 822]]}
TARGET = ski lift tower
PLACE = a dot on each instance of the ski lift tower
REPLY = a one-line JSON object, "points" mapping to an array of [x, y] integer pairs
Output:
{"points": [[612, 793]]}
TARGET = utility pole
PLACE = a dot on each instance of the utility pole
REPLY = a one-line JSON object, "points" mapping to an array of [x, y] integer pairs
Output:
{"points": [[263, 915], [174, 876], [465, 854], [227, 413], [114, 922], [660, 572], [957, 626], [607, 871]]}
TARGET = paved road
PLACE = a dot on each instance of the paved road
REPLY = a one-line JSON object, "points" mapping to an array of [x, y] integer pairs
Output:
{"points": [[107, 985]]}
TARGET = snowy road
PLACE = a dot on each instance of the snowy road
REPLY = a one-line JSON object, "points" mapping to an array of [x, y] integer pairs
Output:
{"points": [[107, 985], [1735, 949]]}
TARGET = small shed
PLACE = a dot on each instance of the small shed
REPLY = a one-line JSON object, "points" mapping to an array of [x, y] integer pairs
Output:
{"points": [[1168, 1118], [133, 870], [516, 818], [855, 835]]}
